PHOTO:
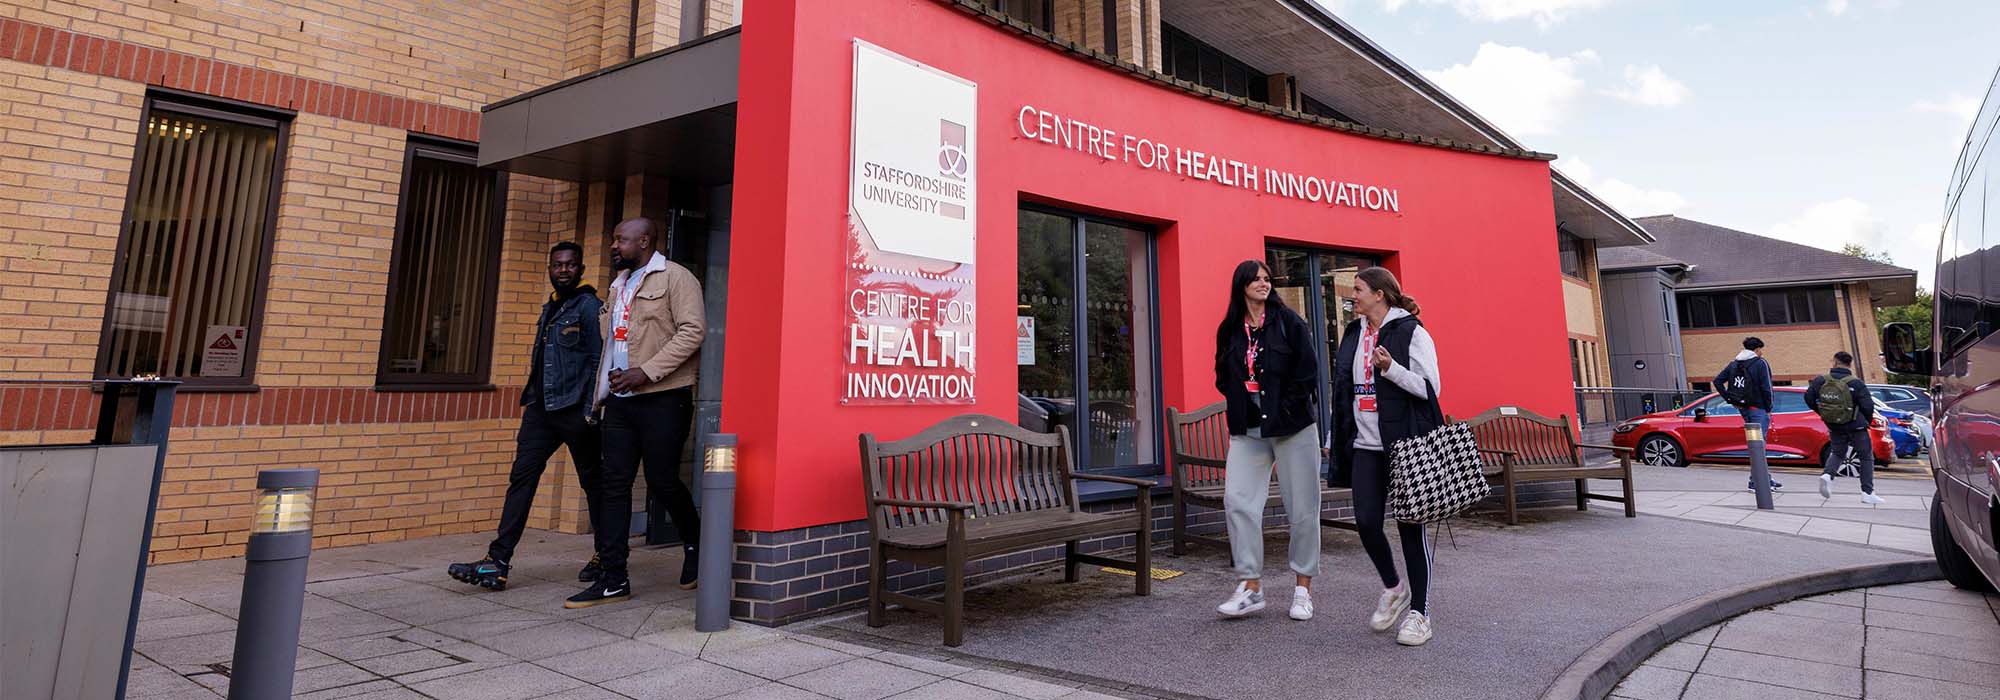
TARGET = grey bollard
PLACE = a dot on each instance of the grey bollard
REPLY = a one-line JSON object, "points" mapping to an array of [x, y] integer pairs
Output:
{"points": [[274, 585], [1760, 465], [718, 530]]}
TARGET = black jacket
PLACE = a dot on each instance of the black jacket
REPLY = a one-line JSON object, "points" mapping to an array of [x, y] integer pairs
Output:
{"points": [[1287, 374], [1757, 376], [1400, 413], [566, 351], [1864, 403]]}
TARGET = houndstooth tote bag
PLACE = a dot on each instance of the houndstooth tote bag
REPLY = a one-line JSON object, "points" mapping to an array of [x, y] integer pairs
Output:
{"points": [[1435, 476]]}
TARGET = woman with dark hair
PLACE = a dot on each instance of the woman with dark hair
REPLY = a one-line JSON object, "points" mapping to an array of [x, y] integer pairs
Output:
{"points": [[1266, 367], [1385, 390]]}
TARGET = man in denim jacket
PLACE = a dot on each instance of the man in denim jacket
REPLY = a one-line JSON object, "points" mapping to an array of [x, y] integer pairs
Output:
{"points": [[559, 399]]}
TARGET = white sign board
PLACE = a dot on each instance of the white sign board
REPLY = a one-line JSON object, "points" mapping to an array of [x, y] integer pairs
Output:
{"points": [[914, 182], [222, 351], [1024, 340]]}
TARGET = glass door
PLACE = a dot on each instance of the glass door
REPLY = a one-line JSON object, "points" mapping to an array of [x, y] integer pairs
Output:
{"points": [[1087, 355], [1319, 285]]}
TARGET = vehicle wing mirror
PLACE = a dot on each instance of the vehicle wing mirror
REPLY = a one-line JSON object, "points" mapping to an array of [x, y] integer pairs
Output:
{"points": [[1701, 415], [1900, 353]]}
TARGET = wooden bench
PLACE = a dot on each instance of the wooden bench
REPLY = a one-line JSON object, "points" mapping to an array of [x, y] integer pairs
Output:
{"points": [[976, 486], [1520, 447], [1199, 443]]}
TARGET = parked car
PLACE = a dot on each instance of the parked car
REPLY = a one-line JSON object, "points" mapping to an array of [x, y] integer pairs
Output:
{"points": [[1902, 431], [1902, 398], [1711, 430]]}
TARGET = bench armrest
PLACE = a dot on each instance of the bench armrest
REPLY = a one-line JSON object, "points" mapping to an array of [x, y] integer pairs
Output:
{"points": [[1609, 448], [907, 503], [1510, 454], [1126, 480]]}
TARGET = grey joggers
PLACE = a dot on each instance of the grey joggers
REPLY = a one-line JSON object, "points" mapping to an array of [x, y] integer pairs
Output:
{"points": [[1247, 486]]}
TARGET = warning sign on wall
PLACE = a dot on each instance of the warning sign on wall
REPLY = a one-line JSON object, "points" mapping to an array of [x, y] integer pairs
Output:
{"points": [[222, 353], [1024, 340]]}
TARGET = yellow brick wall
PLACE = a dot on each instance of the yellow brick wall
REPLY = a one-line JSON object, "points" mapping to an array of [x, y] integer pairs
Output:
{"points": [[1795, 353], [66, 143]]}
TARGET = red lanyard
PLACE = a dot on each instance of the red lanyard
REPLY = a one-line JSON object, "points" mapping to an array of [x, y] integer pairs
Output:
{"points": [[1368, 355], [1250, 356]]}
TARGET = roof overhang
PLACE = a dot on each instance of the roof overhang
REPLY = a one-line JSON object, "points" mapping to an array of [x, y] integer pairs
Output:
{"points": [[671, 112], [1884, 290], [1337, 65]]}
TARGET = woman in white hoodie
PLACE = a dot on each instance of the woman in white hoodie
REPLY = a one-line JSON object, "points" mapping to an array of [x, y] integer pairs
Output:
{"points": [[1386, 390]]}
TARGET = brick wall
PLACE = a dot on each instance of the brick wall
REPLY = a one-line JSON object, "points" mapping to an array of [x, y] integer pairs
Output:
{"points": [[361, 77], [1796, 353]]}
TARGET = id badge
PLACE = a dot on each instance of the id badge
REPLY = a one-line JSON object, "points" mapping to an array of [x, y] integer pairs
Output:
{"points": [[618, 333], [1252, 386], [1365, 402]]}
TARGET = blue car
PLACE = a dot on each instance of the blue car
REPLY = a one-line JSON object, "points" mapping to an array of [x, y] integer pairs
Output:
{"points": [[1903, 430]]}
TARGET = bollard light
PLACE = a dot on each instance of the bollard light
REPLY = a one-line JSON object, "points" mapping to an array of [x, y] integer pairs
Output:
{"points": [[1753, 431], [718, 534], [721, 455], [1760, 466], [283, 509], [274, 585]]}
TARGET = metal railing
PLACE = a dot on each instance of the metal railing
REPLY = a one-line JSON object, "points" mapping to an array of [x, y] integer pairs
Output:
{"points": [[1611, 405]]}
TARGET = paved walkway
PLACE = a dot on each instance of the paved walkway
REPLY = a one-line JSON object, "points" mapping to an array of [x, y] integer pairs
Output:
{"points": [[1921, 641], [383, 622], [1716, 495]]}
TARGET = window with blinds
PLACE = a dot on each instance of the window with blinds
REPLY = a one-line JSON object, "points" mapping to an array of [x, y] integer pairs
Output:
{"points": [[438, 327], [187, 286]]}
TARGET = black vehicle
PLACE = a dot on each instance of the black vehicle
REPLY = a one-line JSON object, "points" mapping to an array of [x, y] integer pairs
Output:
{"points": [[1960, 359]]}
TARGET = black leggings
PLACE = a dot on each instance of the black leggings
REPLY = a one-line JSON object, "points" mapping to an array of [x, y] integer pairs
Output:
{"points": [[1371, 503]]}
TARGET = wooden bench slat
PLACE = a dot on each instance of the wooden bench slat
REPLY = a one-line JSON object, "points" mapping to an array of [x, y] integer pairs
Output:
{"points": [[1519, 446]]}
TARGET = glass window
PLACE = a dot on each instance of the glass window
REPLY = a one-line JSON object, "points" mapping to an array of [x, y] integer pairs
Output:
{"points": [[438, 327], [1702, 311], [1575, 364], [1715, 406], [1824, 308], [1788, 402], [1725, 310], [187, 286], [1036, 13], [1570, 249], [1749, 310], [1117, 421], [1801, 307], [1775, 311]]}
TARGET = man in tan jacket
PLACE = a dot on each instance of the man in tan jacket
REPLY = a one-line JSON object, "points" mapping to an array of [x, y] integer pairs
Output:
{"points": [[652, 326]]}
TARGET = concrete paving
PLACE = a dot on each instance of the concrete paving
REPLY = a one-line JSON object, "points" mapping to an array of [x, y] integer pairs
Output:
{"points": [[1717, 495], [1920, 641], [1514, 606], [384, 622]]}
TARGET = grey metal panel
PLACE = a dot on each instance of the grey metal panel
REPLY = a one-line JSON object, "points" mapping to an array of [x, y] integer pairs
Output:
{"points": [[94, 638], [41, 530], [1636, 325], [675, 104]]}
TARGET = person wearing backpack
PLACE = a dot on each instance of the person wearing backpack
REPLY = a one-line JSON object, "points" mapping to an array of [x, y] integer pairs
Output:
{"points": [[1843, 402], [1746, 384]]}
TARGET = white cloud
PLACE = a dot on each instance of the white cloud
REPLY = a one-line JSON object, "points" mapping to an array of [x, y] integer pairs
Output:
{"points": [[1960, 105], [1652, 87], [1832, 224], [1700, 29], [1629, 199], [1543, 12], [1836, 7], [1526, 92]]}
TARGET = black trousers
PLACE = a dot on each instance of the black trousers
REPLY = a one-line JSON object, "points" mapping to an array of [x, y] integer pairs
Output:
{"points": [[1371, 503], [1860, 443], [541, 433], [652, 428]]}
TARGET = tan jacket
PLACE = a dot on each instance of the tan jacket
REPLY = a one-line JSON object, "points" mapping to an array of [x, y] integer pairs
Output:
{"points": [[668, 324]]}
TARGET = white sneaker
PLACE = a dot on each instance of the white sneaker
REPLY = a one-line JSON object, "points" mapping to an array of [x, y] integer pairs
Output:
{"points": [[1416, 630], [1872, 499], [1826, 486], [1390, 608], [1302, 603], [1243, 602]]}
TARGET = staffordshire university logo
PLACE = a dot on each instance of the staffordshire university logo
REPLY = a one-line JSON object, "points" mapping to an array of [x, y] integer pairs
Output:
{"points": [[952, 161]]}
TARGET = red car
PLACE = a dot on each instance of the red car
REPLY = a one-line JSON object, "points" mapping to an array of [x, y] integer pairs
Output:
{"points": [[1710, 430]]}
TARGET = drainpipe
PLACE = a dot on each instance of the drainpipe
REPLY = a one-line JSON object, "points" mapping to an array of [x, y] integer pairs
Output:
{"points": [[632, 33]]}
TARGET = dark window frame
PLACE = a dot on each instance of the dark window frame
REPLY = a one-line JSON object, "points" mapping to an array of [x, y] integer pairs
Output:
{"points": [[1569, 255], [177, 102], [1174, 39], [1712, 310], [1080, 337], [480, 379]]}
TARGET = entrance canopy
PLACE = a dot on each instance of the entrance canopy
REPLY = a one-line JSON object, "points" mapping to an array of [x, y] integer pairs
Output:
{"points": [[671, 112]]}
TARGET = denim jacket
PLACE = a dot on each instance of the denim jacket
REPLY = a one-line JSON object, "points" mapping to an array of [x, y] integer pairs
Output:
{"points": [[566, 340]]}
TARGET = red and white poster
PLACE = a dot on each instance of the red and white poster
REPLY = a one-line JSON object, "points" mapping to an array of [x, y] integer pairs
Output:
{"points": [[909, 307]]}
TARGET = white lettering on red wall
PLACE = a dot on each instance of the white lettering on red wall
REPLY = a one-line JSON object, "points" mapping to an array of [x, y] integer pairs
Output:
{"points": [[1107, 144]]}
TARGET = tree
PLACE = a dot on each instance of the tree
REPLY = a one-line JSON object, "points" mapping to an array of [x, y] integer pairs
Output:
{"points": [[1917, 313]]}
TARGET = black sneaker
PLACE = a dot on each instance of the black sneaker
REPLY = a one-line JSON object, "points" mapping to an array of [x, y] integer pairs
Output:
{"points": [[609, 588], [591, 571], [485, 573], [690, 568], [1752, 486]]}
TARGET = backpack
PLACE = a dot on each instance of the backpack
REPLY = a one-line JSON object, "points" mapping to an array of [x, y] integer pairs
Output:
{"points": [[1734, 385], [1835, 401]]}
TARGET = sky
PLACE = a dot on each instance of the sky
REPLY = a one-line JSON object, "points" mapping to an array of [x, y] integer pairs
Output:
{"points": [[1823, 122]]}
